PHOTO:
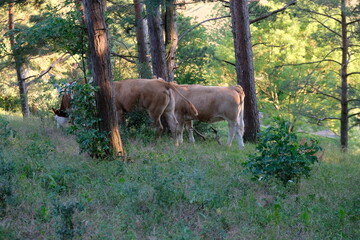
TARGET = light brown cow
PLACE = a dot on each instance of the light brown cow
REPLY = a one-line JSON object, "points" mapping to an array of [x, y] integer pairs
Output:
{"points": [[155, 96], [213, 104]]}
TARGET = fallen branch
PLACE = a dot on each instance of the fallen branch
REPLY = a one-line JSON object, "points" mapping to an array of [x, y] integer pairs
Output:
{"points": [[217, 137], [198, 133]]}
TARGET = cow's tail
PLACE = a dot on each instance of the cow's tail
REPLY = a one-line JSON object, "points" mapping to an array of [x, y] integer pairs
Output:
{"points": [[192, 107], [241, 93]]}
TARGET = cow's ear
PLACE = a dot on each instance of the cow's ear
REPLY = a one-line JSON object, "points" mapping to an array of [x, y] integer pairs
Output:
{"points": [[56, 111]]}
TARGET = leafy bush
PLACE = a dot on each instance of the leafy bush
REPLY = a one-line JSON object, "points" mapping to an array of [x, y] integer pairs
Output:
{"points": [[86, 123], [59, 180], [279, 154], [6, 174], [65, 226], [5, 132]]}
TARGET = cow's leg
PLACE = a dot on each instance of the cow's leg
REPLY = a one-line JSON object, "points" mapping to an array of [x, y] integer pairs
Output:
{"points": [[190, 128], [181, 123], [180, 132], [120, 117], [155, 117], [240, 132], [232, 130], [240, 128], [173, 124]]}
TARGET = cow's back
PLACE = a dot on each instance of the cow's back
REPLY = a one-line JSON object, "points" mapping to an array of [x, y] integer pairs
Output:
{"points": [[144, 93], [213, 102]]}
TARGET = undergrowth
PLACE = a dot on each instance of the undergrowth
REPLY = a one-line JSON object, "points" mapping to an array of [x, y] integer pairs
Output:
{"points": [[165, 192]]}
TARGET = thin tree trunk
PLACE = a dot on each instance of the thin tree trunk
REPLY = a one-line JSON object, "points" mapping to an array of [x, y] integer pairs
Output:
{"points": [[102, 73], [18, 65], [344, 85], [244, 66], [141, 38], [171, 37], [87, 66], [156, 39]]}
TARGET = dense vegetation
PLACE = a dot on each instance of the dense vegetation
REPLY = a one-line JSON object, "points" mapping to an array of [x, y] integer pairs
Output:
{"points": [[196, 191]]}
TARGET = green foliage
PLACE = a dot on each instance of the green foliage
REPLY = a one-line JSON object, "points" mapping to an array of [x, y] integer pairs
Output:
{"points": [[279, 154], [65, 227], [58, 181], [195, 191], [10, 103], [54, 32], [6, 190], [83, 115], [5, 133], [194, 53]]}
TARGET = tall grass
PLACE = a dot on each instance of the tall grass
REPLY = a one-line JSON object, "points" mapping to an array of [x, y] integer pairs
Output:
{"points": [[165, 192]]}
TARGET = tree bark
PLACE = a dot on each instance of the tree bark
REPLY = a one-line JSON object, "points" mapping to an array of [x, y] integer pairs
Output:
{"points": [[171, 37], [344, 83], [141, 38], [244, 66], [18, 65], [102, 73], [156, 39]]}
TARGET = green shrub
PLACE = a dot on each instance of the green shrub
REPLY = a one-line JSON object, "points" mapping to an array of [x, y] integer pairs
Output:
{"points": [[65, 226], [6, 174], [279, 154], [5, 132], [86, 122], [59, 180]]}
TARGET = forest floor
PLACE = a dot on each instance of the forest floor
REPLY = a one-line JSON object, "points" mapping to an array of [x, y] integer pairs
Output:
{"points": [[195, 191]]}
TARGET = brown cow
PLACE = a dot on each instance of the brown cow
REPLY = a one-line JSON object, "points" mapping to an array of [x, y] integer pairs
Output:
{"points": [[155, 96], [61, 114], [213, 104]]}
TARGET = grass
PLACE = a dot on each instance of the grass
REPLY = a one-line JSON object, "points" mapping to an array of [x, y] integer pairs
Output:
{"points": [[165, 192]]}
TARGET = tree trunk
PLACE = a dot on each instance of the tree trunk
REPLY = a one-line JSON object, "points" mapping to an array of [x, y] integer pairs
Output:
{"points": [[102, 74], [141, 38], [171, 37], [156, 39], [18, 65], [87, 66], [244, 66], [344, 85]]}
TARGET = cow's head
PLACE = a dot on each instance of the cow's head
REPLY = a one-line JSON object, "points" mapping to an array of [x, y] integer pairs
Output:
{"points": [[60, 112]]}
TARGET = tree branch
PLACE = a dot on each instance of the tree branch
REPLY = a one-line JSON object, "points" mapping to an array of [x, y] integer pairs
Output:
{"points": [[252, 21], [353, 115], [200, 23], [63, 58], [124, 57], [267, 45], [318, 120], [273, 12], [328, 28], [353, 100], [233, 64], [356, 124], [327, 95], [299, 64], [321, 14], [352, 73], [352, 22]]}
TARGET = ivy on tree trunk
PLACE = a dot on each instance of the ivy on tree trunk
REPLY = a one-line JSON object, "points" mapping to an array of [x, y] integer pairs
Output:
{"points": [[102, 73]]}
